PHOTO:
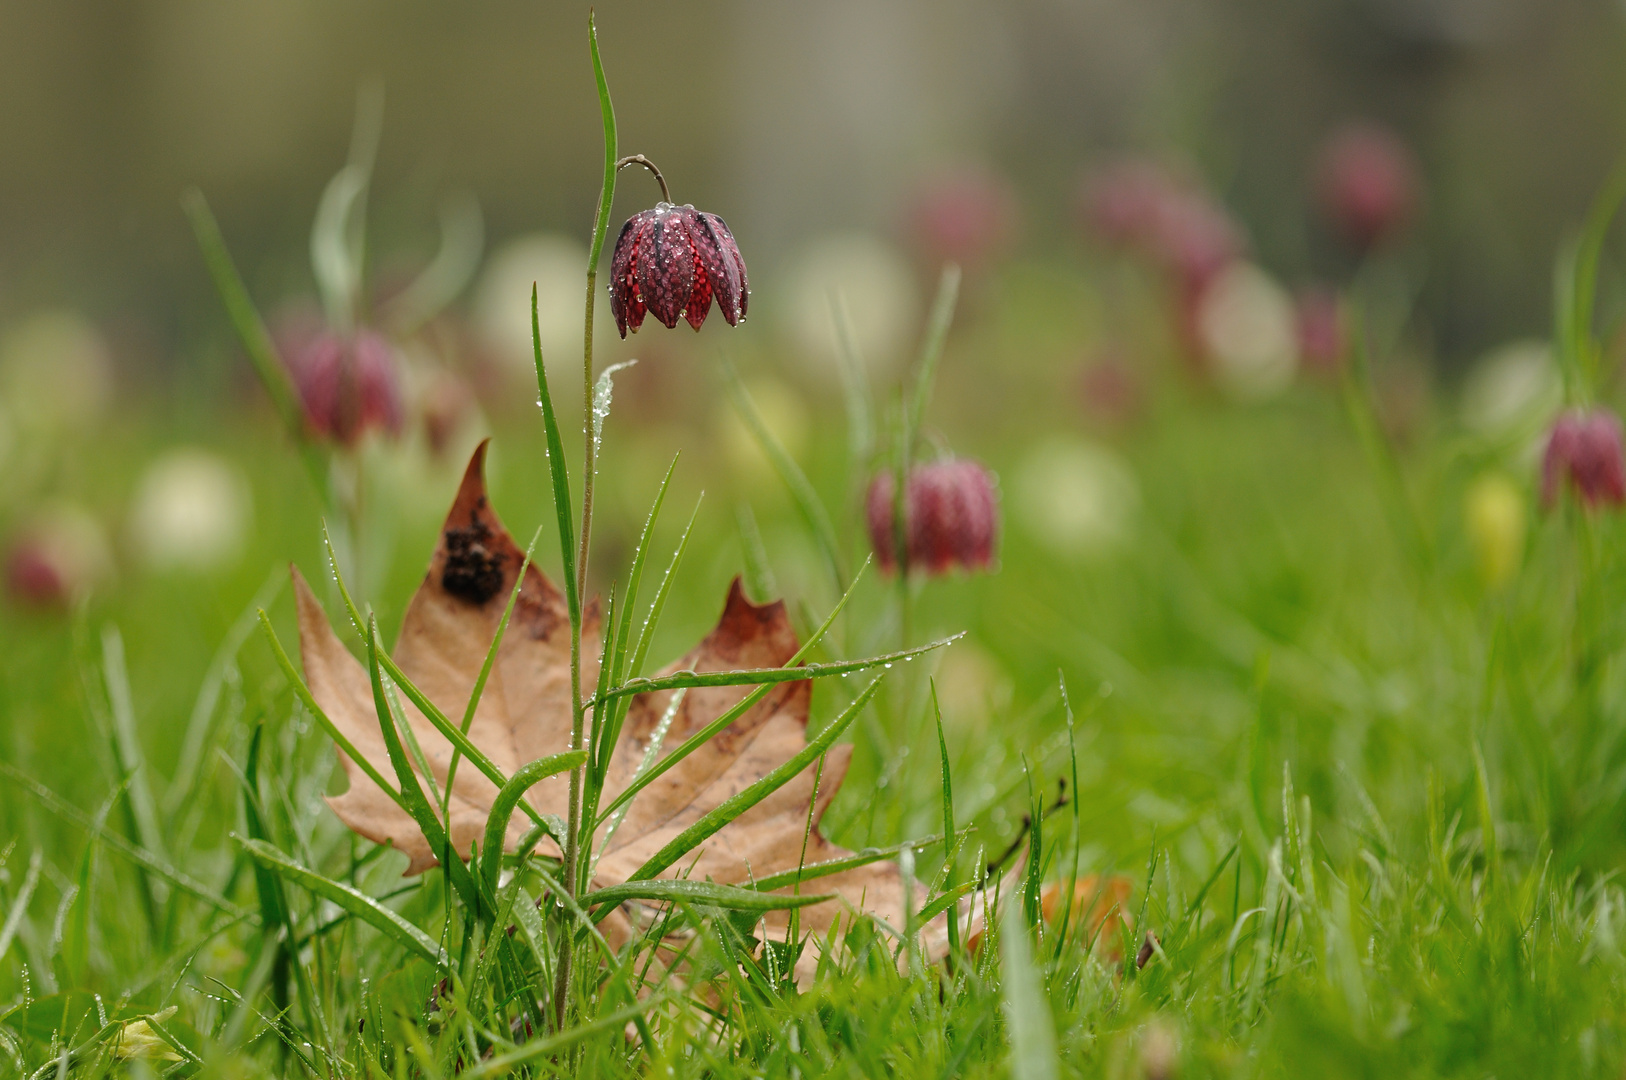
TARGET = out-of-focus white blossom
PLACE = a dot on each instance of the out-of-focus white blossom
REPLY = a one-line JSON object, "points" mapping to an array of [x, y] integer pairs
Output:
{"points": [[502, 303], [1515, 389], [55, 372], [1075, 498], [876, 287], [1248, 328], [191, 511]]}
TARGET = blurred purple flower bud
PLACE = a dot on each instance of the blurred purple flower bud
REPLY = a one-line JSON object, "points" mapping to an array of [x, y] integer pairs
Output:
{"points": [[1584, 453], [671, 261], [952, 514], [1367, 182], [1122, 202], [56, 558], [348, 385], [1195, 239], [966, 217], [1319, 319], [1110, 390]]}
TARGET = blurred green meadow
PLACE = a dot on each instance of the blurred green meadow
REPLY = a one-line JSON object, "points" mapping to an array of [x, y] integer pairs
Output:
{"points": [[1282, 628]]}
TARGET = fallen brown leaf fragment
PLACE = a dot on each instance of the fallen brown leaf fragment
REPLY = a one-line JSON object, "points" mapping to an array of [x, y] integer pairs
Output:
{"points": [[524, 714]]}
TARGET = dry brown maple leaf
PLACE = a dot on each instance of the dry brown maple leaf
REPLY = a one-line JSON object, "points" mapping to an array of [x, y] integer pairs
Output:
{"points": [[524, 714]]}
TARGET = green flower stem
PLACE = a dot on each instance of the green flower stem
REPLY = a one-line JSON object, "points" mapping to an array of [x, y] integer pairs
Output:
{"points": [[561, 990]]}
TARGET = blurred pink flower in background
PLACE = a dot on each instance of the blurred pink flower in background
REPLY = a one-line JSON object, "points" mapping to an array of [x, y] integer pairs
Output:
{"points": [[952, 515], [1584, 454], [1322, 334], [967, 216], [58, 556], [1109, 389], [348, 384], [1142, 207], [1367, 183], [1120, 203]]}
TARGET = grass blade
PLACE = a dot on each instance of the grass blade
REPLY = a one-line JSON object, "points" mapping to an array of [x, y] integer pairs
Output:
{"points": [[553, 1044], [931, 349], [558, 470], [203, 709], [1028, 1021], [739, 804], [355, 902], [715, 894], [769, 676], [510, 795], [479, 688], [413, 800], [693, 742], [802, 492], [138, 855], [20, 907], [305, 697], [814, 871]]}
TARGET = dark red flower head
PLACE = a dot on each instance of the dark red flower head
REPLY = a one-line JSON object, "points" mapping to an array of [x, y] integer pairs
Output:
{"points": [[1367, 182], [348, 384], [952, 515], [1584, 454], [671, 261]]}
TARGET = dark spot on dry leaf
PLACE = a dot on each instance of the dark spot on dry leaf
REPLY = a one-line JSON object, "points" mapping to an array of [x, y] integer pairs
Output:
{"points": [[473, 563]]}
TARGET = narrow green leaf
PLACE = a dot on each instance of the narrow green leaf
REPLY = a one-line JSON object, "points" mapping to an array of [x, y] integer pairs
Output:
{"points": [[755, 793], [694, 741], [138, 855], [355, 902], [931, 349], [508, 798], [1028, 1021], [20, 907], [711, 893], [557, 466], [814, 871], [770, 676], [553, 1044], [208, 699], [948, 820], [256, 339], [646, 635], [802, 492], [332, 729], [479, 688], [945, 901], [413, 800]]}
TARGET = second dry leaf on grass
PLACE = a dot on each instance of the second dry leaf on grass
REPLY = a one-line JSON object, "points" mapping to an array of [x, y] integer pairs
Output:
{"points": [[524, 714]]}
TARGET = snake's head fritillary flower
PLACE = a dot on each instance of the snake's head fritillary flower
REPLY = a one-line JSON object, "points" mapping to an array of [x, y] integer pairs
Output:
{"points": [[348, 384], [1367, 182], [671, 262], [1584, 454], [952, 516]]}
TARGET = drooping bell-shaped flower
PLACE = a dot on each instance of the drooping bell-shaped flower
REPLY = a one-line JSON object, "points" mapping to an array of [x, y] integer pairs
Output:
{"points": [[1584, 454], [952, 516], [348, 384], [671, 262]]}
